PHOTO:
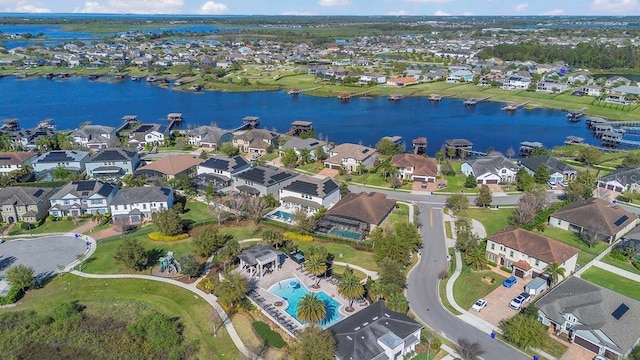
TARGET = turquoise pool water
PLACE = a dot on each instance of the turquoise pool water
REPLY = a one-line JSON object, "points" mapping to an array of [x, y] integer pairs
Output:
{"points": [[292, 291], [283, 215], [345, 233]]}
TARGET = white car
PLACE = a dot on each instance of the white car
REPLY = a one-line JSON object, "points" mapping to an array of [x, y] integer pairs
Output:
{"points": [[479, 305], [519, 301]]}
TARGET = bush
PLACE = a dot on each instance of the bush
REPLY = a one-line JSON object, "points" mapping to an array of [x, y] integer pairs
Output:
{"points": [[491, 263], [157, 236], [14, 295], [506, 269], [289, 235], [636, 264], [270, 337], [619, 255]]}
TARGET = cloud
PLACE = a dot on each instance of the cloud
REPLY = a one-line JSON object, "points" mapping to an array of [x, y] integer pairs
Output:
{"points": [[429, 1], [554, 12], [213, 8], [467, 13], [398, 13], [23, 6], [334, 2], [28, 8], [132, 6], [521, 7], [441, 13], [614, 6], [300, 13]]}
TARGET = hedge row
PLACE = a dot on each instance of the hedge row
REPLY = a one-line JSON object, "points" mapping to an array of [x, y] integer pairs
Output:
{"points": [[157, 236], [289, 235]]}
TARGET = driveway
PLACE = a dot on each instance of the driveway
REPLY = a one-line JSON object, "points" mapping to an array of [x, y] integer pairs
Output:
{"points": [[577, 352], [498, 301]]}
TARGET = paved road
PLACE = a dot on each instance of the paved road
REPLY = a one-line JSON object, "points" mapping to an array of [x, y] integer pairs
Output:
{"points": [[422, 291]]}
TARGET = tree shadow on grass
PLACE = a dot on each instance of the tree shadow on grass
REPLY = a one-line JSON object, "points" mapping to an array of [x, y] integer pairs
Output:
{"points": [[154, 255]]}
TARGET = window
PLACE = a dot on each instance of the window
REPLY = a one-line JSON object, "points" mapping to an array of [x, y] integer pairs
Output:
{"points": [[511, 253], [559, 222], [493, 246], [66, 202], [144, 206], [537, 262], [96, 202]]}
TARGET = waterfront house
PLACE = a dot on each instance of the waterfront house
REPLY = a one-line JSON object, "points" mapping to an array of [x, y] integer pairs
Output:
{"points": [[607, 221], [617, 81], [492, 169], [256, 142], [262, 180], [595, 91], [622, 179], [22, 203], [310, 194], [350, 156], [137, 204], [376, 332], [219, 170], [12, 161], [415, 167], [516, 82], [95, 136], [460, 76], [581, 79], [69, 159], [298, 144], [529, 253], [402, 81], [461, 147], [370, 78], [208, 136], [147, 134], [82, 197], [551, 86], [597, 319], [170, 167], [28, 138], [558, 171], [112, 164], [356, 214]]}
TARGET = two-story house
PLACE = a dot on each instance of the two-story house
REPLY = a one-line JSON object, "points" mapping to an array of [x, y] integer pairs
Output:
{"points": [[112, 164], [82, 197], [350, 156], [551, 86], [310, 194], [558, 171], [95, 137], [460, 76], [262, 180], [22, 203], [528, 253], [415, 167], [256, 142], [208, 136], [310, 144], [219, 170], [516, 82], [12, 161], [69, 159], [147, 134], [137, 204], [492, 169]]}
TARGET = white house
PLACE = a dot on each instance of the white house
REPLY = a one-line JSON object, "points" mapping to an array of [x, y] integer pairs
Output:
{"points": [[140, 203], [12, 161], [516, 82], [310, 193], [82, 197], [69, 159], [460, 76], [372, 78], [490, 170], [350, 156], [94, 136]]}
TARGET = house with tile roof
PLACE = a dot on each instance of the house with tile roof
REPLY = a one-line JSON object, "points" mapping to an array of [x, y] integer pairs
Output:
{"points": [[529, 253], [208, 136], [82, 197], [376, 332], [415, 167], [219, 170], [350, 156], [262, 180], [95, 137], [15, 160], [310, 193], [558, 171], [137, 204], [608, 220], [622, 179], [595, 318], [22, 203], [170, 167], [492, 169], [112, 164]]}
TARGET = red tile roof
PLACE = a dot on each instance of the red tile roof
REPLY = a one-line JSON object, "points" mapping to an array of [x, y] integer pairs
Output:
{"points": [[421, 165], [534, 245]]}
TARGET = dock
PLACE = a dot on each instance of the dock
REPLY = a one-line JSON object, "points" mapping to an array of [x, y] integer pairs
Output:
{"points": [[248, 122], [299, 127], [296, 92], [345, 96], [575, 116], [574, 140], [528, 148], [514, 107], [395, 97], [174, 119], [474, 102]]}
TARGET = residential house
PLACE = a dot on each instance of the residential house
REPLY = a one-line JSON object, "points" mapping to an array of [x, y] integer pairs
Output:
{"points": [[310, 194], [492, 169], [606, 221], [356, 214], [69, 159], [551, 86], [595, 318], [402, 81], [170, 167], [143, 134], [82, 197], [582, 79], [516, 82], [256, 142], [622, 179], [370, 78], [617, 81], [95, 136], [529, 253], [112, 164], [208, 136], [460, 76], [595, 91], [137, 204], [219, 170], [558, 171], [415, 167], [262, 180], [350, 156], [376, 332], [12, 161], [310, 144], [22, 203]]}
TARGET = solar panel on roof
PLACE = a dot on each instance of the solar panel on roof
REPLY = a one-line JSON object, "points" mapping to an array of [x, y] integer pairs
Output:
{"points": [[281, 176], [621, 221], [303, 187], [38, 193], [85, 185], [620, 311]]}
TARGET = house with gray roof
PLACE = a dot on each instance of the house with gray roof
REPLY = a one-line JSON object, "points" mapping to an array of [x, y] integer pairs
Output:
{"points": [[208, 136], [558, 171], [259, 259], [137, 204], [376, 332], [82, 197], [255, 141], [622, 179], [22, 203], [262, 180], [492, 169], [310, 193], [95, 136], [219, 170], [112, 164], [595, 318], [298, 144], [69, 159], [350, 156]]}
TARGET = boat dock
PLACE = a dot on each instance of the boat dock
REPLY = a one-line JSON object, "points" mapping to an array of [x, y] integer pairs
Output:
{"points": [[527, 148], [473, 102], [514, 107], [296, 92], [574, 140], [174, 119], [395, 97], [574, 116], [248, 122], [345, 96]]}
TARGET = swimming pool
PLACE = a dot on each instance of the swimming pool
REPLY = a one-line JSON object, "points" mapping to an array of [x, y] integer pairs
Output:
{"points": [[292, 291], [283, 215], [345, 233]]}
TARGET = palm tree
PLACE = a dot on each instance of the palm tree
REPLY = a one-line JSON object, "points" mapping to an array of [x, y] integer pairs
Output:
{"points": [[316, 265], [305, 156], [230, 250], [350, 287], [475, 257], [555, 271], [311, 308], [232, 289]]}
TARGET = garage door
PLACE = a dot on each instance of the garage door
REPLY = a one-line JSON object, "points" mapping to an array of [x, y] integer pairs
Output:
{"points": [[519, 273], [492, 182], [479, 182], [610, 187], [431, 180], [587, 344]]}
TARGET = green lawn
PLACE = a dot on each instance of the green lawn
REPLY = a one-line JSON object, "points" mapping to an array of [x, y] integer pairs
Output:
{"points": [[493, 220], [196, 211], [570, 238], [374, 180], [470, 286], [49, 227], [98, 228], [624, 265], [399, 214], [311, 168], [611, 281], [349, 254], [124, 299], [442, 285], [447, 230], [455, 183]]}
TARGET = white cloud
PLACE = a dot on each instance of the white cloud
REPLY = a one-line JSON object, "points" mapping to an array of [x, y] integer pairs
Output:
{"points": [[334, 2], [398, 13], [22, 6], [615, 6], [429, 1], [28, 8], [133, 6], [554, 12], [300, 13], [213, 8], [467, 13], [441, 13], [521, 7]]}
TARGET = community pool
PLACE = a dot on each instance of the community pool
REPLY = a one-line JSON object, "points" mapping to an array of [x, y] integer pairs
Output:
{"points": [[281, 215], [292, 291]]}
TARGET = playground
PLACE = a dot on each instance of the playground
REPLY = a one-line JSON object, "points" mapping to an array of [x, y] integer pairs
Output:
{"points": [[167, 267]]}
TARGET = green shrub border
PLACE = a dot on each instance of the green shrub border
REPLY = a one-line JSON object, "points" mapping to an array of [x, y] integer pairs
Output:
{"points": [[270, 337]]}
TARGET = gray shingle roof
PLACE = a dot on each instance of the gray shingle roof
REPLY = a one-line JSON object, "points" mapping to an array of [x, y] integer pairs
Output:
{"points": [[84, 189], [22, 195], [299, 143], [143, 194], [554, 165], [625, 176], [490, 164]]}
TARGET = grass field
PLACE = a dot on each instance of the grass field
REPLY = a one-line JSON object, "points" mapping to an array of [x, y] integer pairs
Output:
{"points": [[349, 254], [607, 259], [470, 286], [125, 299], [399, 214], [611, 281], [442, 285], [570, 238], [493, 220], [49, 227]]}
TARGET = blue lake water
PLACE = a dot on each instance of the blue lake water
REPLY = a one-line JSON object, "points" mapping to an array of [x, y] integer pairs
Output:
{"points": [[292, 291], [70, 102]]}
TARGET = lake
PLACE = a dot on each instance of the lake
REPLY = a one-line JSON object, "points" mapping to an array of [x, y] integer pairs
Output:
{"points": [[70, 102]]}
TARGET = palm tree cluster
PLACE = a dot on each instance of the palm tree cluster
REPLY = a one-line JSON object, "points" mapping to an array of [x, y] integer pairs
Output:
{"points": [[350, 287]]}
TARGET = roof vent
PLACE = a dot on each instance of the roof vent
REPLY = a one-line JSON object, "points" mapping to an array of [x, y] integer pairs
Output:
{"points": [[375, 318], [387, 315], [356, 329], [365, 324]]}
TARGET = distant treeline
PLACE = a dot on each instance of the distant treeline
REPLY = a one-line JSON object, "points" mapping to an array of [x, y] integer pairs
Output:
{"points": [[584, 55]]}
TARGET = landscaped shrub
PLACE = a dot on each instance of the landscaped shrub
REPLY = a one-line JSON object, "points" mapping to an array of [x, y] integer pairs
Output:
{"points": [[14, 295], [636, 264], [619, 255], [157, 236], [506, 269], [491, 263], [289, 235], [270, 337]]}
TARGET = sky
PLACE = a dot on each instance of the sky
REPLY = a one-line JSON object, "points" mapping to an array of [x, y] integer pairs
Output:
{"points": [[329, 7]]}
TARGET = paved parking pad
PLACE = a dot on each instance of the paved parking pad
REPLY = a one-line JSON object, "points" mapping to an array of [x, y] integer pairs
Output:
{"points": [[45, 255], [498, 301]]}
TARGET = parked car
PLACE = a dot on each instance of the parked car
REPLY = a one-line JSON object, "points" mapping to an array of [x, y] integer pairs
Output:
{"points": [[510, 281], [519, 301], [598, 357], [442, 185], [424, 185], [479, 305]]}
